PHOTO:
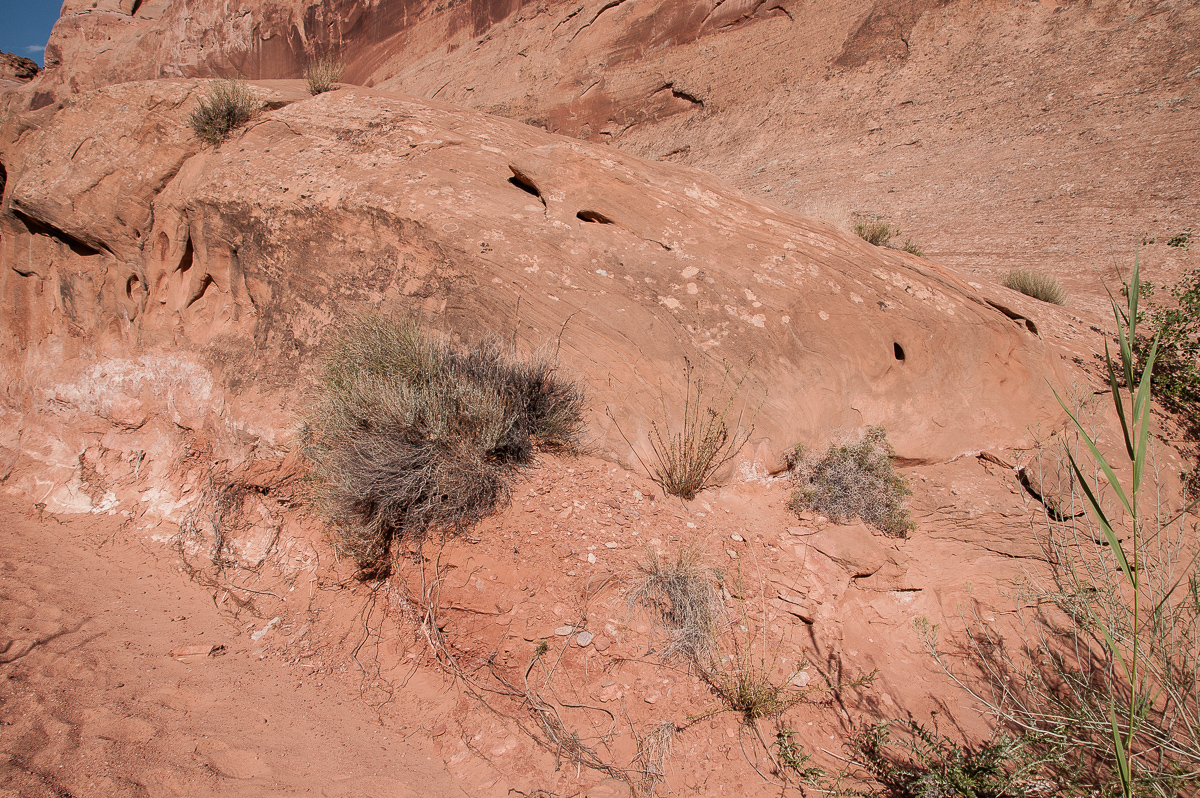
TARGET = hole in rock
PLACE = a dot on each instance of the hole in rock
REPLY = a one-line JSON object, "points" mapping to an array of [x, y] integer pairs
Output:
{"points": [[898, 351], [594, 216], [189, 254], [523, 182], [134, 8], [3, 179], [131, 285]]}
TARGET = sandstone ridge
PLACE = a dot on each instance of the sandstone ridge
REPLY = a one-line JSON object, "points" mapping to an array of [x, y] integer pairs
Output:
{"points": [[187, 286]]}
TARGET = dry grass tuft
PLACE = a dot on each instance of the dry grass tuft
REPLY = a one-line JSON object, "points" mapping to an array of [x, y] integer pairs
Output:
{"points": [[1037, 285], [683, 593], [408, 433], [226, 106], [855, 480], [323, 73], [876, 231]]}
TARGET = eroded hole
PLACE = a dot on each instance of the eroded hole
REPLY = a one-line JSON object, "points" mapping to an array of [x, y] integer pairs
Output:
{"points": [[131, 285], [898, 351], [189, 254], [594, 216], [523, 182], [3, 180]]}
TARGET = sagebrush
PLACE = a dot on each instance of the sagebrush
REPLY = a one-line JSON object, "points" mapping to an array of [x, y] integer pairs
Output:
{"points": [[225, 107], [409, 433], [854, 480], [1038, 285]]}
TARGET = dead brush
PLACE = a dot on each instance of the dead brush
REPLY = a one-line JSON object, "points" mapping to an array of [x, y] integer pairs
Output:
{"points": [[226, 106], [408, 433]]}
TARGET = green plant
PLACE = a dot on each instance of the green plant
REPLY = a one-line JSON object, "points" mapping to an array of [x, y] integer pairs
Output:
{"points": [[876, 231], [1111, 657], [323, 73], [1176, 326], [854, 480], [792, 756], [927, 765], [226, 106], [1035, 284], [911, 248], [1182, 240], [542, 648], [409, 433], [686, 460]]}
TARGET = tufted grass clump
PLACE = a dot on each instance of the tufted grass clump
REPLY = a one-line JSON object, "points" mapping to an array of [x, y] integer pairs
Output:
{"points": [[683, 594], [323, 73], [854, 480], [408, 433], [225, 107], [876, 231], [1036, 284]]}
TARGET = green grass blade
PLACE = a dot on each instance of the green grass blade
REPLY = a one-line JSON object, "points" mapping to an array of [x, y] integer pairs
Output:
{"points": [[1113, 482], [1141, 407], [1122, 759], [1105, 527], [1116, 395]]}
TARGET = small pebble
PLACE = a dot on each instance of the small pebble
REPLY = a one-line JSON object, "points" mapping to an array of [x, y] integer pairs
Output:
{"points": [[583, 639], [737, 537], [563, 631]]}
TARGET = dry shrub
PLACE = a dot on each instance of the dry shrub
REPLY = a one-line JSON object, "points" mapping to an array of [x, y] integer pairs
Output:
{"points": [[409, 433], [323, 73], [854, 480], [1036, 284], [685, 596], [686, 460], [226, 106]]}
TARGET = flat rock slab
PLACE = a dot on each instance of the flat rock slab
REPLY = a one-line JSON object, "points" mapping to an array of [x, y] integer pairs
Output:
{"points": [[854, 547]]}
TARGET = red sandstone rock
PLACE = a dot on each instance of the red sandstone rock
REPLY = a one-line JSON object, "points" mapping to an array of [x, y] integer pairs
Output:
{"points": [[17, 69]]}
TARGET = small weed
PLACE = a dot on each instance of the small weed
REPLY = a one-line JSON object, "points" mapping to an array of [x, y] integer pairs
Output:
{"points": [[1035, 284], [911, 248], [226, 106], [1182, 240], [409, 433], [928, 765], [686, 460], [854, 480], [793, 756], [323, 73], [542, 648], [876, 231]]}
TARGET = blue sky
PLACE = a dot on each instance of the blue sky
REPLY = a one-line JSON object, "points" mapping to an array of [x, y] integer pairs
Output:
{"points": [[25, 26]]}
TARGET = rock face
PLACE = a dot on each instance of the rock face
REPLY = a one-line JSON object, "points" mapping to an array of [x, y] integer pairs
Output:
{"points": [[17, 69], [160, 294], [945, 117]]}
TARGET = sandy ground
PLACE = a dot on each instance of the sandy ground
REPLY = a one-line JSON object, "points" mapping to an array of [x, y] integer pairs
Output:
{"points": [[94, 704]]}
